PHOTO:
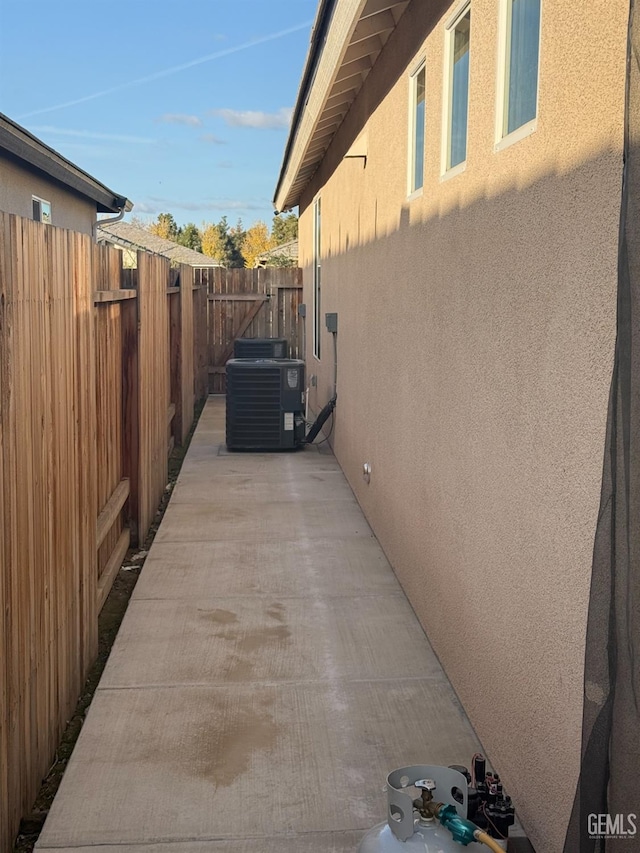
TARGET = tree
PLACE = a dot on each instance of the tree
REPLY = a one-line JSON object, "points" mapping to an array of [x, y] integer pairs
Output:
{"points": [[165, 226], [212, 244], [257, 240], [190, 236], [138, 222], [230, 239], [237, 235], [219, 242], [284, 229]]}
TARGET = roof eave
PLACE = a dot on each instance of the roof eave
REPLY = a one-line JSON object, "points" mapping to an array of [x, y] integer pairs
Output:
{"points": [[318, 33], [24, 146], [330, 84]]}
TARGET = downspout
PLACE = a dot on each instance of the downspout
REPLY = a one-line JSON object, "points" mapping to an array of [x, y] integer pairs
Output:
{"points": [[127, 207]]}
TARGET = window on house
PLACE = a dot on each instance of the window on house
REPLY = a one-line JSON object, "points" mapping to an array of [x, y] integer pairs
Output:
{"points": [[317, 213], [41, 209], [416, 130], [457, 99], [521, 60]]}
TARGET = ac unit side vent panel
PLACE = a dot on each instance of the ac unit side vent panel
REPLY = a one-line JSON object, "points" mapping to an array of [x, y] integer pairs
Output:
{"points": [[261, 348]]}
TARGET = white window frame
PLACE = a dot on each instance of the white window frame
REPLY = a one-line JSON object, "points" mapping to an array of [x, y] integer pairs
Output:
{"points": [[447, 171], [502, 138], [317, 275], [42, 201], [411, 146]]}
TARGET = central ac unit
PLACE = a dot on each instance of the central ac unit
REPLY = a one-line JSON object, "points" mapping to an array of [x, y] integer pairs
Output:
{"points": [[265, 404], [260, 348]]}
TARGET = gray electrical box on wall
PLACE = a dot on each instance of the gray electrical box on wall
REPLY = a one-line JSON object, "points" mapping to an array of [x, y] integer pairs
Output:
{"points": [[302, 310], [332, 322]]}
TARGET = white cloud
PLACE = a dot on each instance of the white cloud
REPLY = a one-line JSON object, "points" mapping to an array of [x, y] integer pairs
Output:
{"points": [[154, 204], [143, 207], [90, 134], [239, 204], [180, 118], [256, 118], [212, 139], [175, 69]]}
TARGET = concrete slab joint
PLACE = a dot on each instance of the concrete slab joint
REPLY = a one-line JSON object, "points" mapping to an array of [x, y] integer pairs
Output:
{"points": [[269, 673]]}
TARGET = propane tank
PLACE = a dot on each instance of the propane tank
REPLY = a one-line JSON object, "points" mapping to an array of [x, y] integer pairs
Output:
{"points": [[408, 828]]}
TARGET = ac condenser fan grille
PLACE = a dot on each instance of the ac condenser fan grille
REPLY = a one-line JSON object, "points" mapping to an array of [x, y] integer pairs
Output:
{"points": [[264, 398]]}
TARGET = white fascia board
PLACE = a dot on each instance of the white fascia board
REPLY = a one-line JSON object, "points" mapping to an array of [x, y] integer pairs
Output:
{"points": [[346, 16]]}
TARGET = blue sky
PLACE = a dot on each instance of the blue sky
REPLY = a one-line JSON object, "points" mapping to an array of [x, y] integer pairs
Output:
{"points": [[182, 107]]}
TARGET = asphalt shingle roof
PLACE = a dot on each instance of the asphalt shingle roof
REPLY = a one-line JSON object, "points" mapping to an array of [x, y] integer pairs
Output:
{"points": [[133, 237], [287, 250]]}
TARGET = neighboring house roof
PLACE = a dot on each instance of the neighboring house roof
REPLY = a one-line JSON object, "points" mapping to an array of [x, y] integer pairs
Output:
{"points": [[132, 237], [346, 40], [286, 250], [22, 145]]}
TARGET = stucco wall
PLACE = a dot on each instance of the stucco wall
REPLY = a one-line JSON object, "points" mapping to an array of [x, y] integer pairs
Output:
{"points": [[18, 184], [476, 337]]}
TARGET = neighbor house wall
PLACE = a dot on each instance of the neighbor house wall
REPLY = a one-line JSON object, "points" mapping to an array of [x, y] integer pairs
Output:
{"points": [[475, 346], [19, 183]]}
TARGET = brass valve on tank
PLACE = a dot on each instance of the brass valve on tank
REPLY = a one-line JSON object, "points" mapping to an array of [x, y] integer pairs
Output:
{"points": [[425, 805]]}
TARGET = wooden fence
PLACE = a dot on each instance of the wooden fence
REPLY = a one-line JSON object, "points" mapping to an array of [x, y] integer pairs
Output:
{"points": [[100, 369], [252, 303]]}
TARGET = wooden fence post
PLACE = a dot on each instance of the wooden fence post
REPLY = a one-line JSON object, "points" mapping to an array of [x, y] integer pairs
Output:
{"points": [[187, 366], [200, 333], [175, 357], [80, 249], [6, 324], [154, 386], [131, 410]]}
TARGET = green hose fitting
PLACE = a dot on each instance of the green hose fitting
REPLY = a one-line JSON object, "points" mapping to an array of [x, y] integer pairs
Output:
{"points": [[461, 829]]}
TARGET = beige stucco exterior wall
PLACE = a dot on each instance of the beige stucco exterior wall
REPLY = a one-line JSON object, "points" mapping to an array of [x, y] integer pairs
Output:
{"points": [[476, 338], [68, 208]]}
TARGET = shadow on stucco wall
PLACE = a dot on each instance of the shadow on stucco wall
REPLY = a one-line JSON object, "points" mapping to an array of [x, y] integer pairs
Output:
{"points": [[475, 354]]}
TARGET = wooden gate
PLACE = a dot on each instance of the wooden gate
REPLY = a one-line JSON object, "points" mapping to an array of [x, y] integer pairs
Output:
{"points": [[251, 303]]}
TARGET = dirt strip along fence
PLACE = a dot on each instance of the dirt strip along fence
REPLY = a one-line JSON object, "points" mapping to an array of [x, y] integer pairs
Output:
{"points": [[100, 369], [250, 303]]}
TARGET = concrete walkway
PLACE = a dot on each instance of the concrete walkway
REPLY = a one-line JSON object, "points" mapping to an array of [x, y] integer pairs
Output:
{"points": [[268, 674]]}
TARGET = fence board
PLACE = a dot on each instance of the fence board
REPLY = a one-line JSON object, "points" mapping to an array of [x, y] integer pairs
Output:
{"points": [[175, 357], [131, 412], [6, 340], [200, 337], [107, 280], [186, 394], [153, 384], [47, 461], [84, 397]]}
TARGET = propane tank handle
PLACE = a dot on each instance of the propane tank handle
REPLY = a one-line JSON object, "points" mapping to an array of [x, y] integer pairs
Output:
{"points": [[400, 803]]}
